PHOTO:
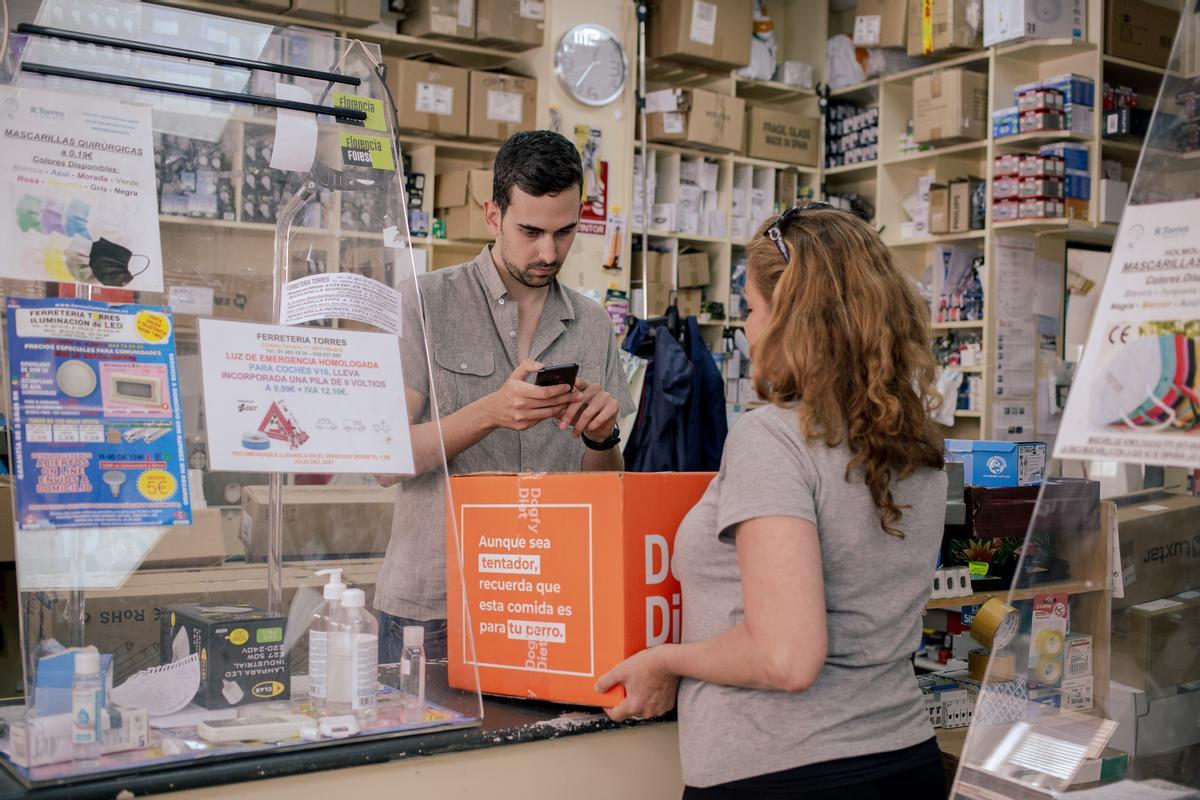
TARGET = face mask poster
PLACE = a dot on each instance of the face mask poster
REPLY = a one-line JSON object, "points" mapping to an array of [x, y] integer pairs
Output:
{"points": [[97, 431], [79, 202], [1136, 393]]}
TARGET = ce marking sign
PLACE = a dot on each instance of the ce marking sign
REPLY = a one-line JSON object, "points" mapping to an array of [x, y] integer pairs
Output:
{"points": [[1120, 334]]}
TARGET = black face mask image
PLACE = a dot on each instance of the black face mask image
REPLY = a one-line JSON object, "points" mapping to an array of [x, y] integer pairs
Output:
{"points": [[109, 262]]}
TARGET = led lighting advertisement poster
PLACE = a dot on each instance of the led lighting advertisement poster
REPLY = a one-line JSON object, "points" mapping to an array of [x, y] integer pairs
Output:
{"points": [[1136, 392], [97, 430], [80, 199], [290, 399]]}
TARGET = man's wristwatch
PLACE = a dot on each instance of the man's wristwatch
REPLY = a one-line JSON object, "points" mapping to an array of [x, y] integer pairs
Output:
{"points": [[612, 441]]}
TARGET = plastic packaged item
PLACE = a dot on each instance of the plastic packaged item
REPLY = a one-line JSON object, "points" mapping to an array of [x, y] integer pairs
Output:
{"points": [[318, 636], [1040, 100], [1042, 208], [1006, 210], [1005, 122], [1005, 188], [87, 704], [246, 729], [1038, 166], [412, 673], [1032, 121], [1041, 187], [353, 667], [1007, 164]]}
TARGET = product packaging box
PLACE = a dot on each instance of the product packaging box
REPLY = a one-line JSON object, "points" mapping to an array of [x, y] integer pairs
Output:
{"points": [[1009, 20], [1160, 554], [1048, 639], [658, 297], [689, 302], [242, 655], [997, 464], [38, 741], [950, 106], [564, 576], [429, 97], [657, 270], [1140, 31], [55, 674], [1077, 693], [712, 33], [1112, 200], [1156, 645], [695, 116], [439, 19], [1079, 657], [501, 105], [1006, 122], [460, 196], [320, 521], [948, 28], [780, 136], [879, 23], [939, 209], [694, 269], [962, 214], [351, 12], [510, 24]]}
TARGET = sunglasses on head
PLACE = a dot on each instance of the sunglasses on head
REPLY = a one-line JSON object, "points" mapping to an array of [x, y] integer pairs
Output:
{"points": [[774, 231]]}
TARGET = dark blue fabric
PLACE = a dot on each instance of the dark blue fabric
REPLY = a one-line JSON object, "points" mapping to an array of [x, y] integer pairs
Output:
{"points": [[707, 424]]}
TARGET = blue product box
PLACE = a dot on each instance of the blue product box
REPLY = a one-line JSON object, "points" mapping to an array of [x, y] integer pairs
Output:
{"points": [[995, 464], [55, 674], [1078, 184], [1075, 88], [1046, 696], [1073, 153], [1078, 119], [1006, 122]]}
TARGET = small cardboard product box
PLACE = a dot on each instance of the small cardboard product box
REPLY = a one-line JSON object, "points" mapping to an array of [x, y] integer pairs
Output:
{"points": [[460, 196], [242, 653], [950, 105], [939, 208], [712, 33], [320, 521], [439, 19], [879, 23], [353, 12], [689, 302], [1140, 31], [998, 464], [658, 267], [510, 24], [37, 741], [694, 269], [696, 116], [961, 213], [658, 297], [1078, 661], [1008, 20], [501, 105], [948, 28], [430, 97], [1077, 693], [780, 136], [1160, 551], [1156, 644], [564, 577]]}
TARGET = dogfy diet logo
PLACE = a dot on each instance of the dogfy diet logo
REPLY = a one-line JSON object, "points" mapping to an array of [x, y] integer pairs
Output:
{"points": [[996, 465]]}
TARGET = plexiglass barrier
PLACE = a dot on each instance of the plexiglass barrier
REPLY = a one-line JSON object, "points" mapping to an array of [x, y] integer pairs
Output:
{"points": [[1085, 668], [218, 397]]}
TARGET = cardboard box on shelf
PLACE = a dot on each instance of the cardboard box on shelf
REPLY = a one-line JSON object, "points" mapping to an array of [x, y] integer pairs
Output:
{"points": [[1140, 31], [460, 196], [695, 116], [713, 33], [352, 12], [37, 741], [1159, 553], [510, 24], [501, 105], [201, 544], [439, 19], [1009, 20], [781, 136], [689, 301], [320, 521], [564, 576], [658, 267], [1112, 199], [947, 29], [694, 269], [429, 97], [998, 464], [1155, 644], [658, 297], [950, 106], [962, 193], [879, 23], [939, 209]]}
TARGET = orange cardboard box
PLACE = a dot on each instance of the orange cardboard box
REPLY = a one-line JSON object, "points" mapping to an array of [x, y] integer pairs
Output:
{"points": [[564, 576]]}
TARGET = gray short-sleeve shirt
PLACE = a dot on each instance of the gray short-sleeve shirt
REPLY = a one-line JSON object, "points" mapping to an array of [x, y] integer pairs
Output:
{"points": [[865, 698], [470, 345]]}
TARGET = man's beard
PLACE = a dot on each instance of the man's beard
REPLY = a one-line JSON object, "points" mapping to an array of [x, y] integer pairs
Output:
{"points": [[532, 281]]}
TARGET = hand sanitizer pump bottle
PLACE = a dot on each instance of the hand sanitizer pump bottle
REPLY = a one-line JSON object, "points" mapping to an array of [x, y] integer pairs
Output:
{"points": [[318, 639]]}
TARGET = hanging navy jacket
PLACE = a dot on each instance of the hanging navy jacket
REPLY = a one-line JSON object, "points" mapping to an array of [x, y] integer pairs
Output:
{"points": [[707, 424]]}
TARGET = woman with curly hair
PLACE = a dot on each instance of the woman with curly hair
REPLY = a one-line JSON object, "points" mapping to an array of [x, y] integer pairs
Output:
{"points": [[807, 563]]}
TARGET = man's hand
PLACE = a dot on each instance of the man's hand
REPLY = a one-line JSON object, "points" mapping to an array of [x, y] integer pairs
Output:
{"points": [[519, 405], [594, 412]]}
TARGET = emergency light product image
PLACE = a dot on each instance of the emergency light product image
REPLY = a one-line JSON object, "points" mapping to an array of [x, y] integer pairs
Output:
{"points": [[75, 378], [138, 389], [114, 480]]}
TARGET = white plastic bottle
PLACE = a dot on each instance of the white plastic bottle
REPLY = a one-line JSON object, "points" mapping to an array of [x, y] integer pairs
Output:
{"points": [[87, 705], [412, 673], [318, 638], [353, 673]]}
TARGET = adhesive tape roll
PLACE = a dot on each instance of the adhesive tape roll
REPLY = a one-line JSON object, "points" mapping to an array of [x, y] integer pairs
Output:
{"points": [[1003, 665], [1049, 642], [254, 440], [995, 624], [1049, 670]]}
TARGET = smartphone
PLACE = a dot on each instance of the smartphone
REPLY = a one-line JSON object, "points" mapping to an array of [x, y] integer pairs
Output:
{"points": [[556, 374]]}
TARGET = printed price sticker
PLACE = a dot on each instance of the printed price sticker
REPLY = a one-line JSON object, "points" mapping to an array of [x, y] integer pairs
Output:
{"points": [[866, 29], [704, 23], [673, 123], [533, 9], [505, 106], [435, 98]]}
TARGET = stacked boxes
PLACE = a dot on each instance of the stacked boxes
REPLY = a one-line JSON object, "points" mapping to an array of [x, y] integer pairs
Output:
{"points": [[263, 188], [1031, 186], [1064, 102], [193, 178], [851, 134], [1077, 188], [950, 106], [699, 204]]}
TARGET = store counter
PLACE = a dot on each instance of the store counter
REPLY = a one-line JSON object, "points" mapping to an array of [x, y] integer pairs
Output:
{"points": [[523, 748]]}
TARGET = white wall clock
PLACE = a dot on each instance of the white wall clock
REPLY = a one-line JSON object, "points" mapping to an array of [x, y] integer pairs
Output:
{"points": [[591, 64]]}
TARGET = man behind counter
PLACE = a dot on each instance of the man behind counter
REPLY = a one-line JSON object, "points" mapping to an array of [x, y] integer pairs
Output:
{"points": [[491, 324]]}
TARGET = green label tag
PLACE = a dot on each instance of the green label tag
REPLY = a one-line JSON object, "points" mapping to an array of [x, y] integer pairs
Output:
{"points": [[979, 567], [268, 635], [373, 109], [367, 151]]}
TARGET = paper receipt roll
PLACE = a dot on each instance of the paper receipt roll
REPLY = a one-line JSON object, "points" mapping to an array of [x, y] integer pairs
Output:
{"points": [[995, 624]]}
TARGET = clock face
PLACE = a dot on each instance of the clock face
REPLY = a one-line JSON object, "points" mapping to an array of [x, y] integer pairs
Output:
{"points": [[591, 64]]}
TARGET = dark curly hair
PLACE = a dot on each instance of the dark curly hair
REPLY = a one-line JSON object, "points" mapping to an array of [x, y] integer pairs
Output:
{"points": [[539, 163]]}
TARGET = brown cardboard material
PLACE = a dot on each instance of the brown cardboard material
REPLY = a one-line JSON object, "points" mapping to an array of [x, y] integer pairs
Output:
{"points": [[237, 297], [939, 208], [780, 136], [353, 12], [501, 105], [267, 5], [658, 297], [460, 197], [949, 28], [201, 544], [321, 521], [1155, 644], [1139, 31], [430, 97], [688, 301], [439, 19], [658, 267], [703, 118], [1160, 548], [879, 23], [510, 24], [694, 270], [712, 33], [950, 106], [960, 204]]}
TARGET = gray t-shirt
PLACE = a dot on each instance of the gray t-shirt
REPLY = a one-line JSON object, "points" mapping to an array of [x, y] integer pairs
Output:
{"points": [[865, 699]]}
